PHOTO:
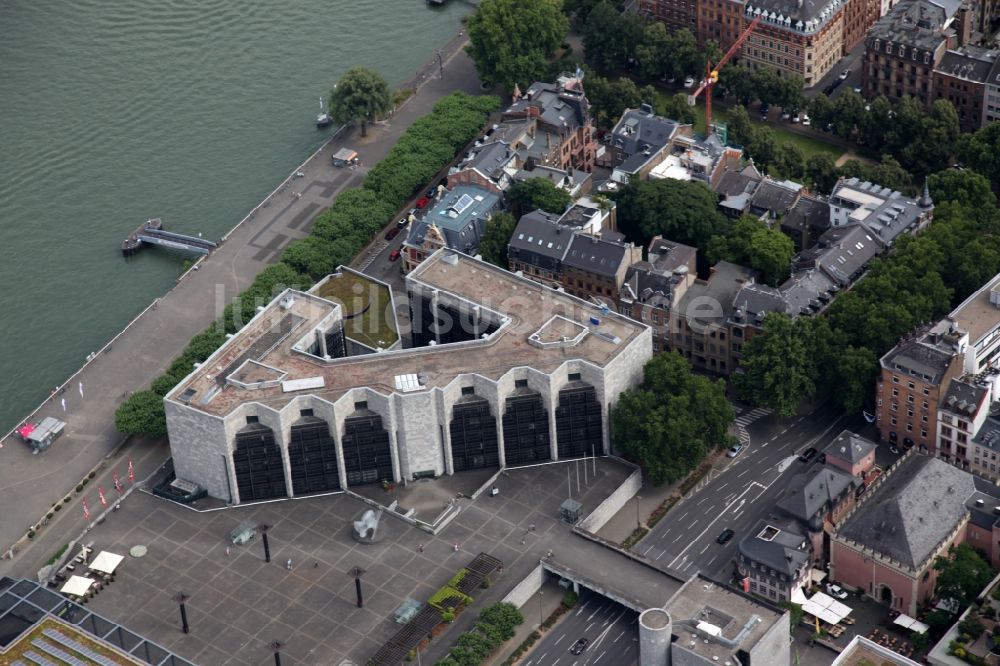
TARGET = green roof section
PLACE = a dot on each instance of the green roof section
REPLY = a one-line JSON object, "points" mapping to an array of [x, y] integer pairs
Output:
{"points": [[367, 306]]}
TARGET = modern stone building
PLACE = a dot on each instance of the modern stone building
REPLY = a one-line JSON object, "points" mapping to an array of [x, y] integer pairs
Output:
{"points": [[501, 371]]}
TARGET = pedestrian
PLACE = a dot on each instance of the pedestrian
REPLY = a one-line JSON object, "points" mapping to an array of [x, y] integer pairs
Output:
{"points": [[455, 546], [315, 565], [227, 551], [420, 548], [288, 564]]}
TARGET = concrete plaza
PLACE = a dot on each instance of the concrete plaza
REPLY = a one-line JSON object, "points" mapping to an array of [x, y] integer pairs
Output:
{"points": [[239, 603]]}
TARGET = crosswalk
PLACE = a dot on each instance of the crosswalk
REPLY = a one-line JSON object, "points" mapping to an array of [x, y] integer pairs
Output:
{"points": [[743, 420]]}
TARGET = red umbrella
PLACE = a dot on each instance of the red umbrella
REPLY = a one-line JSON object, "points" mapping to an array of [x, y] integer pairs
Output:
{"points": [[86, 510], [118, 482], [100, 493], [131, 471]]}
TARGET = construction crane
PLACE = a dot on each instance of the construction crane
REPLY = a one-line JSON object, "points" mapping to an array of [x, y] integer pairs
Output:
{"points": [[712, 73]]}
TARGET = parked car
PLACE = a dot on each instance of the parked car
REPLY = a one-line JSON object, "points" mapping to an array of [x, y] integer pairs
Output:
{"points": [[734, 451], [688, 82], [764, 109], [394, 255], [580, 645], [805, 119], [403, 222], [392, 233], [857, 89], [431, 193], [422, 203], [844, 74], [808, 454], [725, 536], [836, 591], [797, 118], [785, 115]]}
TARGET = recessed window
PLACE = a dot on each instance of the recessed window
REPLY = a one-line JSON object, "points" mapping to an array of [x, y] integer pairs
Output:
{"points": [[252, 419], [574, 376], [520, 383], [361, 404], [305, 412], [468, 390]]}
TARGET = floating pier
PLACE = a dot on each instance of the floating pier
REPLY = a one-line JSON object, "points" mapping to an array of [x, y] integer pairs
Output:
{"points": [[151, 232]]}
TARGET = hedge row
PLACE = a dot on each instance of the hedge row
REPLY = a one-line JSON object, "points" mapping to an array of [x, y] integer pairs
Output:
{"points": [[338, 234], [496, 624]]}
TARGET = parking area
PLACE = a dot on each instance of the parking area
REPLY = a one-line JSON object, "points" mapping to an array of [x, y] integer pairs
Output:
{"points": [[239, 603]]}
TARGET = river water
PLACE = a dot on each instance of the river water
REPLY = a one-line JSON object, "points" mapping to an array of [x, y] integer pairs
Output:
{"points": [[115, 111]]}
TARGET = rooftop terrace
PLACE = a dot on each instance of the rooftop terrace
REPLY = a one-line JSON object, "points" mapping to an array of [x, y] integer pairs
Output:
{"points": [[277, 338]]}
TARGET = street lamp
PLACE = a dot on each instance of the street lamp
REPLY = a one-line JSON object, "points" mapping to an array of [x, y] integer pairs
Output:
{"points": [[540, 593], [638, 523], [357, 573], [181, 598], [276, 647], [262, 529]]}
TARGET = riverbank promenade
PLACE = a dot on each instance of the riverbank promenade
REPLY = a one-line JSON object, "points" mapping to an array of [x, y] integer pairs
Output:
{"points": [[31, 484]]}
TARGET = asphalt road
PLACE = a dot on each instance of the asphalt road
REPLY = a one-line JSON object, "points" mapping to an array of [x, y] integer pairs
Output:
{"points": [[741, 493], [612, 629]]}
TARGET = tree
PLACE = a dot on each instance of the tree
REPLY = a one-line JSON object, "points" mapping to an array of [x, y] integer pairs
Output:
{"points": [[855, 371], [790, 161], [362, 95], [750, 242], [965, 187], [510, 40], [673, 420], [875, 123], [737, 80], [677, 108], [848, 111], [888, 173], [762, 146], [821, 111], [496, 237], [929, 149], [739, 126], [142, 414], [653, 52], [767, 83], [686, 212], [608, 99], [981, 151], [962, 575], [505, 617], [821, 172], [534, 193], [610, 37], [778, 367]]}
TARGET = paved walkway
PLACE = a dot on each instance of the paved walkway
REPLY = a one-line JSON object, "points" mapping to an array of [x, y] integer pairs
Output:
{"points": [[29, 484]]}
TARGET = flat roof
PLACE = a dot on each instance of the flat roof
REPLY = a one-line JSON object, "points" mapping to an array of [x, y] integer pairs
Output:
{"points": [[739, 618], [271, 336], [976, 314]]}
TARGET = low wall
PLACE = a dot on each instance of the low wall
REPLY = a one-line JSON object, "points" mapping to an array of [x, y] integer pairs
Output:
{"points": [[524, 590], [613, 503]]}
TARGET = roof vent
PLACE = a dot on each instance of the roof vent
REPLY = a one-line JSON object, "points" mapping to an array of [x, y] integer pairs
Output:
{"points": [[980, 503]]}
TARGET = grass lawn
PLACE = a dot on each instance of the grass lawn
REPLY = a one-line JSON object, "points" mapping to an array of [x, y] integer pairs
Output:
{"points": [[807, 144], [369, 302]]}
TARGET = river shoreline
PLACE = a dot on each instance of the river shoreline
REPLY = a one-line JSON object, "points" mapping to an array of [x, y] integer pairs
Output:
{"points": [[32, 485]]}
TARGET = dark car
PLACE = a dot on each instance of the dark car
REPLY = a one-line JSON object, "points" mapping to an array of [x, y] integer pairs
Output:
{"points": [[431, 193], [392, 233], [403, 221], [394, 255], [764, 110], [725, 536], [422, 202], [808, 455], [579, 646]]}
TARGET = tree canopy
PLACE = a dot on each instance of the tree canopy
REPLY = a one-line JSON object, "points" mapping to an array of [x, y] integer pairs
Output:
{"points": [[686, 212], [750, 242], [493, 244], [142, 413], [778, 367], [673, 420], [534, 193], [361, 96], [962, 575], [510, 40]]}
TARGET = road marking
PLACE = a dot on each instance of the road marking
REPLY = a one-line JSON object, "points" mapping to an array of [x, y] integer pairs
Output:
{"points": [[685, 515], [742, 473], [723, 485], [650, 548], [559, 639], [705, 548], [614, 641], [662, 553], [599, 656], [589, 626]]}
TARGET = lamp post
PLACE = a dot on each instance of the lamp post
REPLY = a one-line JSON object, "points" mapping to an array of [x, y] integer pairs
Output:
{"points": [[540, 593], [357, 573], [181, 598], [638, 523], [262, 529], [275, 647]]}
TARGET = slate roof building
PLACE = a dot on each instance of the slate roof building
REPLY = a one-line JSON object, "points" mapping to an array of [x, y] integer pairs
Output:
{"points": [[806, 221], [491, 166], [851, 453], [640, 141], [913, 513], [775, 557], [538, 246], [457, 221], [961, 78], [595, 268]]}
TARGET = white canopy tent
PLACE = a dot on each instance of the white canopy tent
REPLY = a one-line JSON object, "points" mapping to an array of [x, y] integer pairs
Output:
{"points": [[77, 586], [106, 562], [798, 596], [826, 608], [911, 623]]}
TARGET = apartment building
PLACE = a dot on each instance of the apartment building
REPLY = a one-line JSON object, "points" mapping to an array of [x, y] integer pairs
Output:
{"points": [[774, 560], [961, 78]]}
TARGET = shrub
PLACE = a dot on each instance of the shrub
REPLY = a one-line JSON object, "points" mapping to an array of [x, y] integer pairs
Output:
{"points": [[31, 534], [66, 500], [58, 554], [569, 599], [79, 487], [92, 475], [58, 507], [49, 515], [448, 616]]}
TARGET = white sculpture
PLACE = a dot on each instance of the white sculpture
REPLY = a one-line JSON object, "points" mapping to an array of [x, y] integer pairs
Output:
{"points": [[366, 528]]}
